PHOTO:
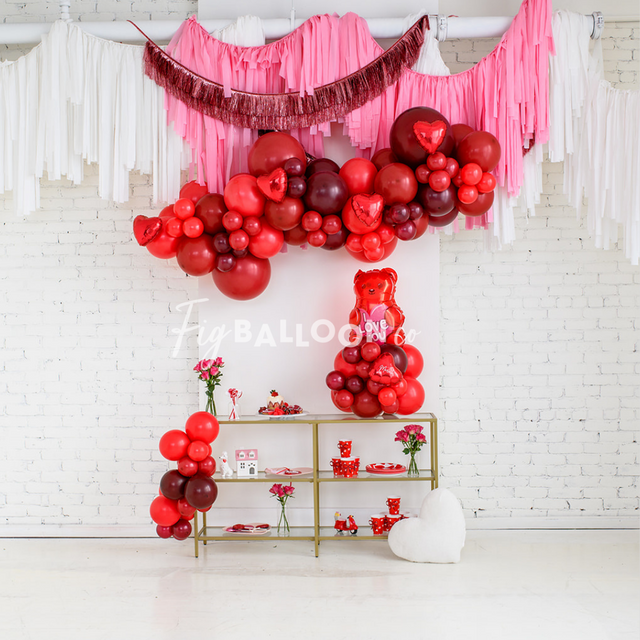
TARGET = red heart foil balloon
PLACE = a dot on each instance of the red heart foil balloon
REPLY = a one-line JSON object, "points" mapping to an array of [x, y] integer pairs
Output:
{"points": [[146, 229], [274, 185], [430, 135], [368, 209]]}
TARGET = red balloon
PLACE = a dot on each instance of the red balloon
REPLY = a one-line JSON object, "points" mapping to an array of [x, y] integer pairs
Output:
{"points": [[387, 396], [460, 131], [359, 174], [247, 280], [343, 367], [181, 530], [439, 180], [487, 183], [184, 208], [232, 220], [173, 444], [172, 484], [471, 173], [351, 354], [334, 399], [210, 209], [422, 173], [201, 492], [362, 369], [480, 147], [326, 193], [481, 205], [383, 157], [193, 227], [272, 150], [404, 141], [284, 215], [164, 511], [413, 399], [452, 168], [296, 236], [335, 380], [252, 225], [354, 242], [316, 238], [243, 195], [174, 227], [374, 387], [436, 161], [467, 194], [371, 241], [392, 408], [207, 466], [163, 532], [387, 250], [163, 245], [343, 398], [386, 233], [331, 224], [194, 191], [311, 221], [422, 224], [370, 351], [202, 426], [196, 256], [239, 240], [185, 509], [267, 243], [187, 466], [443, 221], [400, 387], [415, 361], [363, 213], [198, 450], [366, 405], [396, 183]]}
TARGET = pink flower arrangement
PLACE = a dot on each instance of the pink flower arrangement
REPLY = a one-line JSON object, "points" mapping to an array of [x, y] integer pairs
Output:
{"points": [[412, 438], [209, 371], [282, 493]]}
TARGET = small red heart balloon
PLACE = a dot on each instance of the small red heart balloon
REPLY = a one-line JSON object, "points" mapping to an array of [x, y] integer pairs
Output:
{"points": [[368, 209], [146, 229], [430, 135], [274, 185]]}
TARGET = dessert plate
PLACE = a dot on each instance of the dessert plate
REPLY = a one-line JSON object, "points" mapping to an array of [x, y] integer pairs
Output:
{"points": [[283, 417], [388, 468], [295, 472], [252, 529]]}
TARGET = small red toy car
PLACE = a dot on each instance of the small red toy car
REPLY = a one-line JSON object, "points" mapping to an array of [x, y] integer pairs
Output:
{"points": [[348, 524]]}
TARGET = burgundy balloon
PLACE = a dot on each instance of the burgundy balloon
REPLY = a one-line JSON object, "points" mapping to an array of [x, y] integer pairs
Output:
{"points": [[294, 167], [415, 210], [335, 380], [460, 131], [196, 256], [354, 384], [351, 355], [164, 532], [399, 213], [400, 359], [297, 187], [407, 230], [210, 209], [172, 485], [366, 405], [479, 206], [225, 262], [443, 221], [374, 387], [181, 530], [404, 142], [383, 157], [336, 240], [327, 193], [321, 164], [240, 253], [221, 243], [437, 203], [201, 492]]}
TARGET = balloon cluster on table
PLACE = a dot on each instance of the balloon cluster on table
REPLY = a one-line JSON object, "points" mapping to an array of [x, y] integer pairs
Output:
{"points": [[190, 487], [431, 172], [377, 372]]}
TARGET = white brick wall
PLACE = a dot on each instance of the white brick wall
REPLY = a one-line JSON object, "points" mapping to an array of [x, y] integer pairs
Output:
{"points": [[540, 405]]}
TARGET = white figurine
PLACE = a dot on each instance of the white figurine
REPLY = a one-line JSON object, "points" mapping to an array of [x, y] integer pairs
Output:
{"points": [[225, 469]]}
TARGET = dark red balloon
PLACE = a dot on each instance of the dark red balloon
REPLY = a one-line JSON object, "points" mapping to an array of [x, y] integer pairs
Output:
{"points": [[327, 193], [335, 380], [374, 387], [396, 183], [342, 399], [480, 205], [272, 150], [383, 157], [225, 262], [284, 215], [207, 466], [370, 351], [404, 142], [443, 221], [196, 256], [351, 355], [362, 369], [366, 405], [321, 164], [172, 485], [480, 147], [163, 532], [336, 240], [210, 209], [460, 131], [181, 530], [296, 236], [185, 509], [437, 203], [354, 384], [201, 492], [247, 280], [187, 466], [400, 359], [422, 224]]}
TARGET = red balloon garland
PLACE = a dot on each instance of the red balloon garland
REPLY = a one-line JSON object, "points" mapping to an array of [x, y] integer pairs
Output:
{"points": [[432, 172], [190, 487]]}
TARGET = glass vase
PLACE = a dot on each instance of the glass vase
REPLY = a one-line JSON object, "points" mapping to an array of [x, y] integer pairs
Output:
{"points": [[211, 404], [283, 528], [412, 469]]}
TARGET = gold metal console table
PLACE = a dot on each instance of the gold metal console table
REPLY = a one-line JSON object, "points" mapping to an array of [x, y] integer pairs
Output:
{"points": [[316, 533]]}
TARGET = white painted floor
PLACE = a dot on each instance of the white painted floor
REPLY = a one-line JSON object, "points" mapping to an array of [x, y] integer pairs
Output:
{"points": [[517, 585]]}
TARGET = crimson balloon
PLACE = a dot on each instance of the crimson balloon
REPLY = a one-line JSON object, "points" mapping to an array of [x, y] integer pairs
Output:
{"points": [[247, 280], [346, 368], [460, 131], [342, 399], [366, 405], [327, 193], [163, 532], [480, 147], [201, 492], [335, 380], [210, 209], [481, 205], [196, 256], [185, 509], [383, 157], [173, 444], [187, 466], [336, 240], [181, 530], [207, 466], [164, 511], [370, 351], [172, 485], [443, 221], [284, 215], [396, 183], [272, 150], [296, 236]]}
